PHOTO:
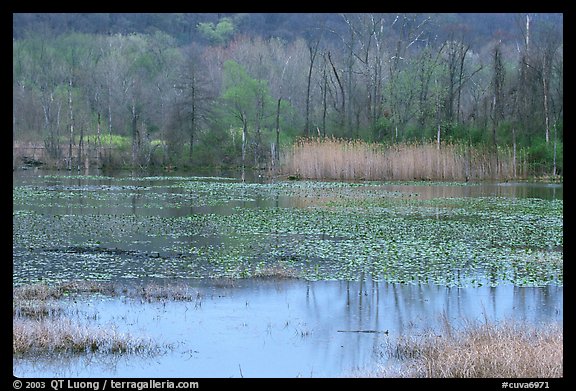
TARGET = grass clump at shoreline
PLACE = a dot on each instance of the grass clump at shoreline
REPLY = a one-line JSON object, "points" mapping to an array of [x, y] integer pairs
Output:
{"points": [[51, 335], [41, 291], [487, 350], [38, 301], [41, 322]]}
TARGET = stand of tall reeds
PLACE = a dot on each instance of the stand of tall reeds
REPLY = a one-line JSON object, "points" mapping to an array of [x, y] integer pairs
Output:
{"points": [[340, 159], [488, 350]]}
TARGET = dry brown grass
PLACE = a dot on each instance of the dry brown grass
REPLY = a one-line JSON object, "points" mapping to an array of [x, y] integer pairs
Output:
{"points": [[35, 309], [358, 160], [276, 272], [42, 292], [38, 301], [40, 322], [62, 335], [481, 351], [38, 291]]}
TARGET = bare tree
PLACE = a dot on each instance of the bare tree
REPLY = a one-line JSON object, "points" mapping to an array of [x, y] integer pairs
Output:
{"points": [[497, 98], [313, 45]]}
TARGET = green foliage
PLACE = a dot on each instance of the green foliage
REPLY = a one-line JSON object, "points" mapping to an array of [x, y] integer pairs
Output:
{"points": [[477, 135], [241, 89], [216, 147], [381, 129], [541, 157], [219, 33], [149, 82], [249, 105], [117, 142]]}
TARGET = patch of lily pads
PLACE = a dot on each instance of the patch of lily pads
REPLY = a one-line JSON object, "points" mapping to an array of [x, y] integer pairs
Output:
{"points": [[319, 230]]}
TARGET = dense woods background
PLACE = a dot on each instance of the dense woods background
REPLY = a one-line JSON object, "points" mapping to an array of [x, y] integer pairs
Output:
{"points": [[238, 89]]}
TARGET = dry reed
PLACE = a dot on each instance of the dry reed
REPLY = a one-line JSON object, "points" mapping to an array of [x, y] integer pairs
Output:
{"points": [[43, 292], [508, 350], [62, 335], [40, 323], [359, 160], [276, 272]]}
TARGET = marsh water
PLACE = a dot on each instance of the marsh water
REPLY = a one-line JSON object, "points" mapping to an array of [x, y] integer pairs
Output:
{"points": [[368, 262]]}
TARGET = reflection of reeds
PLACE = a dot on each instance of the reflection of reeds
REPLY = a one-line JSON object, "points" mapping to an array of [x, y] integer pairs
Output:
{"points": [[42, 294], [35, 309], [176, 292], [359, 160], [481, 350]]}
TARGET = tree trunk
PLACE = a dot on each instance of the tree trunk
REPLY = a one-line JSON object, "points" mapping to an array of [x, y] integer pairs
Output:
{"points": [[244, 139], [135, 136], [277, 149], [192, 131], [192, 121], [494, 139], [99, 145], [343, 104], [324, 97], [554, 160], [258, 141], [546, 113], [438, 118], [514, 150], [461, 82], [80, 147], [71, 117], [497, 101], [313, 52], [109, 125]]}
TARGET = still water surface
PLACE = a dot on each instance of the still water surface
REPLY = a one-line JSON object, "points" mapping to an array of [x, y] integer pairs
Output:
{"points": [[254, 327], [288, 328]]}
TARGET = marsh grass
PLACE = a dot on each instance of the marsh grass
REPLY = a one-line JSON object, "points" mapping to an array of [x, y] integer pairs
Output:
{"points": [[359, 160], [276, 272], [507, 349], [43, 292], [41, 322], [175, 292], [36, 309], [39, 301], [62, 335], [40, 292]]}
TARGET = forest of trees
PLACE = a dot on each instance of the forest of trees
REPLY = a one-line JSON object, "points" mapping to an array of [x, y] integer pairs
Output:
{"points": [[234, 89]]}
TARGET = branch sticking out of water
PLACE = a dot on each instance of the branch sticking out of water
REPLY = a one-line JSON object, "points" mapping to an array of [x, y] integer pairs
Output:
{"points": [[364, 331]]}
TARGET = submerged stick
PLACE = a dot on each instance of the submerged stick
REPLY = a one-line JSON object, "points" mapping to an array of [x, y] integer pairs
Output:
{"points": [[363, 331]]}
